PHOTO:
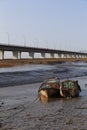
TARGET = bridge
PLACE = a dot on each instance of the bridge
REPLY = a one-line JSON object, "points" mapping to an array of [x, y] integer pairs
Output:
{"points": [[54, 54]]}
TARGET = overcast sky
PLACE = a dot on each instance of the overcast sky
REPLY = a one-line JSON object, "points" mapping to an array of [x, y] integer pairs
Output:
{"points": [[57, 24]]}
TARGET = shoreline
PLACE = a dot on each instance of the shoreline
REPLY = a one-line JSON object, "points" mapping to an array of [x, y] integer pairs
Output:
{"points": [[16, 62]]}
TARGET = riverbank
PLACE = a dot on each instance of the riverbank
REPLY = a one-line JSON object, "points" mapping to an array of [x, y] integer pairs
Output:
{"points": [[21, 110], [16, 62]]}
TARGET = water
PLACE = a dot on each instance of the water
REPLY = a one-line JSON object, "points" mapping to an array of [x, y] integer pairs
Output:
{"points": [[27, 67], [28, 74]]}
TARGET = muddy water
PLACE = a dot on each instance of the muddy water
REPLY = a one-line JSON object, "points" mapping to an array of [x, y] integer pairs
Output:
{"points": [[20, 108], [28, 74]]}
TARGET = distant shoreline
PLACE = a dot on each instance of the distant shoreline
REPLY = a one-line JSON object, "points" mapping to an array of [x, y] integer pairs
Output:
{"points": [[15, 62]]}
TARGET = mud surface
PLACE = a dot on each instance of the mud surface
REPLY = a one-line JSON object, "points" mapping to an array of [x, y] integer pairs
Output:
{"points": [[20, 108]]}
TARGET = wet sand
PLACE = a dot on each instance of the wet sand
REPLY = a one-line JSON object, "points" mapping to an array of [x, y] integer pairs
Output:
{"points": [[20, 109]]}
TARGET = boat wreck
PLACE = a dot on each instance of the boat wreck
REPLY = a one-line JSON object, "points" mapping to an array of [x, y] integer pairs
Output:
{"points": [[52, 87], [69, 88]]}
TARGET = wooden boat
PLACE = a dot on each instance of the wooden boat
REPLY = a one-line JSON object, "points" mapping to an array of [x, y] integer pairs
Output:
{"points": [[69, 88], [50, 88]]}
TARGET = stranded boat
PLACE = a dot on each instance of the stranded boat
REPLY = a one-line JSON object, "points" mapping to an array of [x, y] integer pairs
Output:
{"points": [[69, 88], [52, 87]]}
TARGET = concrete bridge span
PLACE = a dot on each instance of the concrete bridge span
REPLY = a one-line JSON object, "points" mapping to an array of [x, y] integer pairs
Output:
{"points": [[54, 53]]}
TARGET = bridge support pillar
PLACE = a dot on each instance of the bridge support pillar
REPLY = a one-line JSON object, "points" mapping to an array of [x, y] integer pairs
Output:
{"points": [[69, 56], [73, 56], [64, 55], [77, 56], [82, 56], [42, 55], [58, 55], [85, 56], [51, 55], [1, 55], [16, 55], [31, 55]]}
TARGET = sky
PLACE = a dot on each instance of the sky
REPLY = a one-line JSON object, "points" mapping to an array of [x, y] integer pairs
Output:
{"points": [[54, 24]]}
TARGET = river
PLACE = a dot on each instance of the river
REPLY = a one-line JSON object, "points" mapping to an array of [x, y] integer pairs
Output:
{"points": [[28, 74]]}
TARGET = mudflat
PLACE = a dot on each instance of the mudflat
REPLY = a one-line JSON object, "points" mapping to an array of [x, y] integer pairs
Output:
{"points": [[21, 109]]}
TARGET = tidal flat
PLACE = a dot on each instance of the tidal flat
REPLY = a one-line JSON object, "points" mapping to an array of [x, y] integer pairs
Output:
{"points": [[21, 109]]}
